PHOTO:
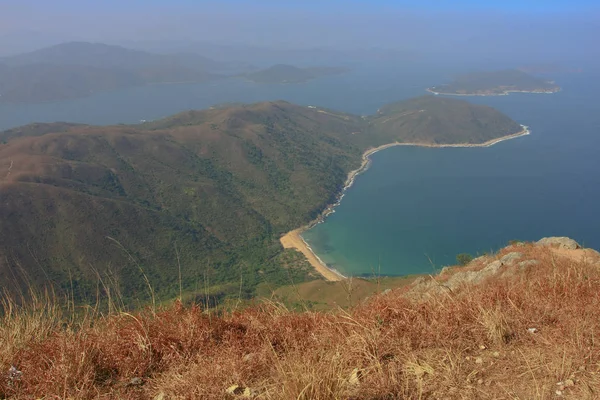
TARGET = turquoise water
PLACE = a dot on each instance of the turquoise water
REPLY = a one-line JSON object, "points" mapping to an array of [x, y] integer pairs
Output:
{"points": [[416, 208]]}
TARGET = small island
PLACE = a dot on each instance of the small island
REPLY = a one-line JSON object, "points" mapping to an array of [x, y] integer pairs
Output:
{"points": [[495, 83], [282, 73]]}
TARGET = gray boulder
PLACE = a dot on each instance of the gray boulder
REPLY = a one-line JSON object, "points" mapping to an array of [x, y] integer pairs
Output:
{"points": [[510, 258], [561, 242], [528, 263]]}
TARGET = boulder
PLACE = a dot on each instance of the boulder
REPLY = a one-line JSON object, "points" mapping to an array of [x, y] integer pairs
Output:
{"points": [[510, 258], [560, 242], [528, 263]]}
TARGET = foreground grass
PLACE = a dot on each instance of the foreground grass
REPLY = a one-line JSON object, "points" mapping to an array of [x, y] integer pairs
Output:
{"points": [[532, 335]]}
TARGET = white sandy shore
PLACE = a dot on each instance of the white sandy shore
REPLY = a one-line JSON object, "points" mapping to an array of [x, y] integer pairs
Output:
{"points": [[504, 93], [294, 238]]}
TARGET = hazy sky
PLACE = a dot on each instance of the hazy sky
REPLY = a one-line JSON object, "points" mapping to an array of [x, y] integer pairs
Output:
{"points": [[529, 26]]}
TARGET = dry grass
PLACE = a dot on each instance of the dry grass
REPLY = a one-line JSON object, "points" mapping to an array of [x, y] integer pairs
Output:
{"points": [[472, 343]]}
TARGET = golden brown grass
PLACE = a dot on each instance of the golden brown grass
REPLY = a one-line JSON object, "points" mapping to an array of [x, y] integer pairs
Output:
{"points": [[473, 343]]}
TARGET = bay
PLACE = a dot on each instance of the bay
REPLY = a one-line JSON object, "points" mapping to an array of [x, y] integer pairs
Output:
{"points": [[416, 208]]}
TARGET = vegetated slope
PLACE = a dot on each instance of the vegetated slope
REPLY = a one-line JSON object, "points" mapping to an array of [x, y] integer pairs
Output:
{"points": [[437, 120], [209, 192], [215, 188], [496, 82], [289, 74], [77, 69], [526, 330]]}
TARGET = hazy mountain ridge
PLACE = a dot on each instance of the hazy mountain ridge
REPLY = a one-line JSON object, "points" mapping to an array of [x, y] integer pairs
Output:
{"points": [[78, 69], [218, 185]]}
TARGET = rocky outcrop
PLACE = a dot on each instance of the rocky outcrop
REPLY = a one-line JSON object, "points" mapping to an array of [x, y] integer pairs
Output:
{"points": [[507, 264], [560, 242]]}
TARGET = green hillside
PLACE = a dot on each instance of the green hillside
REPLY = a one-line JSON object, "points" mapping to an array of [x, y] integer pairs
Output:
{"points": [[489, 83], [430, 119], [203, 193]]}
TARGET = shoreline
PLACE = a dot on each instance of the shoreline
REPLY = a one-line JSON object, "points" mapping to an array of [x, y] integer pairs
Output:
{"points": [[294, 239], [504, 93]]}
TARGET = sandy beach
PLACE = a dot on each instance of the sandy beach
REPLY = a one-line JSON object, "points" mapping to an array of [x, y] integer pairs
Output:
{"points": [[503, 93], [294, 240]]}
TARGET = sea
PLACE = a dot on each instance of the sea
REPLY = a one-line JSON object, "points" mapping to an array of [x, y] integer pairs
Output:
{"points": [[415, 208]]}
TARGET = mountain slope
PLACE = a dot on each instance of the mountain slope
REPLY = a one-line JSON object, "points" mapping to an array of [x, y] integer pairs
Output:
{"points": [[209, 192], [519, 324], [436, 120], [490, 83], [77, 69], [101, 55], [217, 184]]}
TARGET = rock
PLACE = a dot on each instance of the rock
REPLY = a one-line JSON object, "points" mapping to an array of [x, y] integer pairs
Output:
{"points": [[480, 381], [135, 382], [240, 391], [492, 268], [355, 376], [386, 291], [418, 281], [532, 330], [460, 278], [510, 258], [160, 396], [235, 390], [527, 263], [569, 383], [479, 360], [496, 354], [561, 242]]}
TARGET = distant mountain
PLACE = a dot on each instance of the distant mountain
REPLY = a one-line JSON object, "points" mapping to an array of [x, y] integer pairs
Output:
{"points": [[265, 55], [289, 74], [493, 83], [101, 55], [78, 69], [211, 191]]}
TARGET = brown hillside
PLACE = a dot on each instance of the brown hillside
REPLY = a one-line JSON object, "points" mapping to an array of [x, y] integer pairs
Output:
{"points": [[526, 331]]}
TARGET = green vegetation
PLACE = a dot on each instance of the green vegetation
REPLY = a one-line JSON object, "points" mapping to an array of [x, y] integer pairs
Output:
{"points": [[289, 74], [436, 120], [199, 199], [464, 258], [496, 83]]}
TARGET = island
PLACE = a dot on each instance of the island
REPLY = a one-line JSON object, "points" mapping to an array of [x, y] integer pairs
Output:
{"points": [[495, 83], [282, 73]]}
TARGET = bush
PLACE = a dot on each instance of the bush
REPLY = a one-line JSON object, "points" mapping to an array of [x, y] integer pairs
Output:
{"points": [[464, 258]]}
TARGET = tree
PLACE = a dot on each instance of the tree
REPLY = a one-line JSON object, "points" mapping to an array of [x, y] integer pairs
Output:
{"points": [[464, 258]]}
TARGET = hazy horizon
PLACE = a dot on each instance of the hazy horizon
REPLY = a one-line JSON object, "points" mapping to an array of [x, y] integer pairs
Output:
{"points": [[533, 31]]}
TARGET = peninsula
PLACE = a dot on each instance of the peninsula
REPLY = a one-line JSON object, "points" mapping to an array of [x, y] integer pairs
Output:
{"points": [[282, 73], [214, 190], [495, 83]]}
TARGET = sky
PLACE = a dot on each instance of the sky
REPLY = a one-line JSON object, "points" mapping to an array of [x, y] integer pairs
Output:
{"points": [[438, 26]]}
